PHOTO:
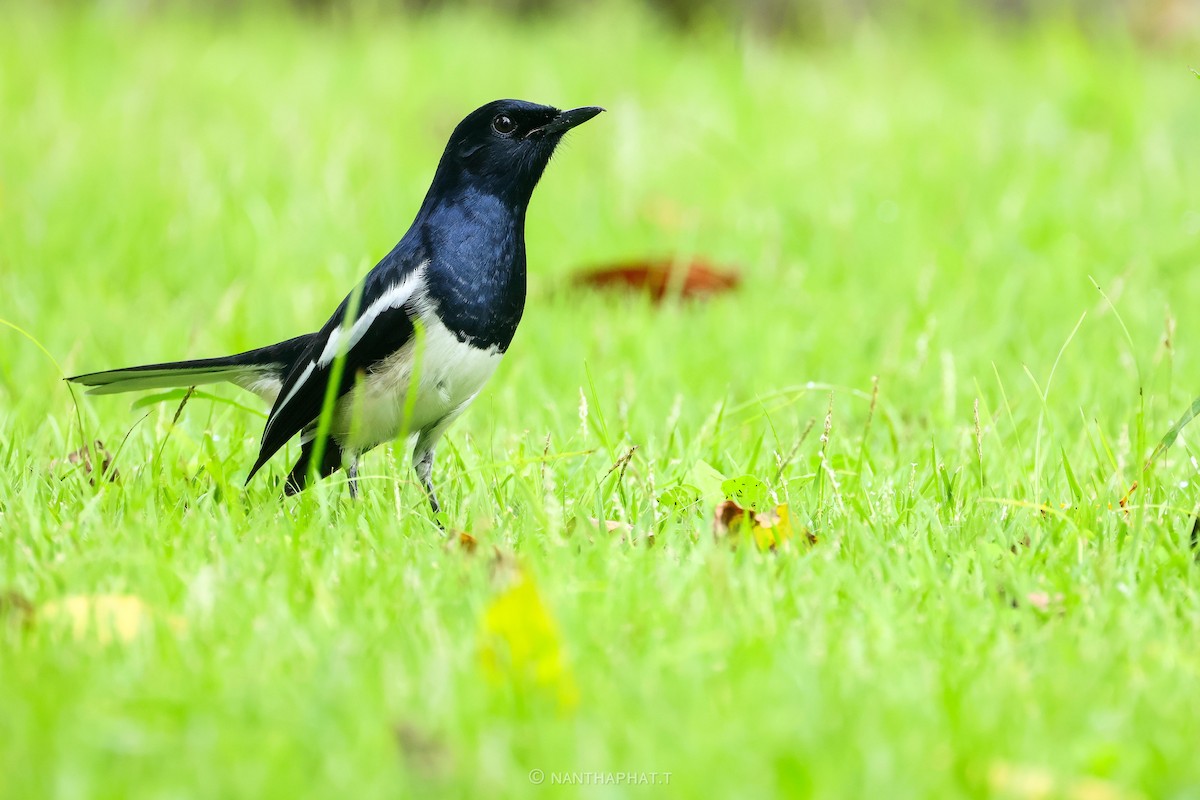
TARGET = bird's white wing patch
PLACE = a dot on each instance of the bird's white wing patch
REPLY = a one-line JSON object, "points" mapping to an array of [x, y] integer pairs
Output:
{"points": [[341, 339], [304, 376]]}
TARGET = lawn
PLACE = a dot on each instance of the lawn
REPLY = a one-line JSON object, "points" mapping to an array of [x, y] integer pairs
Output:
{"points": [[967, 257]]}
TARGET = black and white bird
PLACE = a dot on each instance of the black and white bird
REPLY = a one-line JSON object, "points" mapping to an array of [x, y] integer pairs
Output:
{"points": [[444, 305]]}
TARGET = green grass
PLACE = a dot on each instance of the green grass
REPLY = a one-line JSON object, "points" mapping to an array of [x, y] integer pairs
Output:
{"points": [[927, 210]]}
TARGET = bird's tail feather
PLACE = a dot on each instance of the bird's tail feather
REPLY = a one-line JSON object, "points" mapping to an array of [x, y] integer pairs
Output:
{"points": [[260, 371], [134, 379]]}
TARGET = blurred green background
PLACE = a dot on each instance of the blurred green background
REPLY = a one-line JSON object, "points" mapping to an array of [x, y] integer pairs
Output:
{"points": [[968, 241]]}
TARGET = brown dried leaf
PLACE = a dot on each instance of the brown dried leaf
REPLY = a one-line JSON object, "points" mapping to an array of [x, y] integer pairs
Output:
{"points": [[16, 609], [726, 517], [425, 753], [83, 456], [661, 277], [503, 568], [1125, 500], [464, 540]]}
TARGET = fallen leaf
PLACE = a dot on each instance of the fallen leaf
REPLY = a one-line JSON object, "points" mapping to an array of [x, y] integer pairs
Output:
{"points": [[83, 456], [606, 525], [1124, 502], [1038, 783], [464, 540], [589, 526], [1043, 601], [770, 529], [520, 645], [1089, 788], [726, 517], [16, 609], [662, 277], [105, 618], [1028, 783], [424, 752], [503, 568]]}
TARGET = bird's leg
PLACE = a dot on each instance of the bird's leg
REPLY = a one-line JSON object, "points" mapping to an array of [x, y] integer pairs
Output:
{"points": [[423, 464], [352, 479], [423, 459]]}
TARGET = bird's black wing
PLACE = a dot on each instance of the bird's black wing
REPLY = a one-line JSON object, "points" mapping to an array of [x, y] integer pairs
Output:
{"points": [[382, 325]]}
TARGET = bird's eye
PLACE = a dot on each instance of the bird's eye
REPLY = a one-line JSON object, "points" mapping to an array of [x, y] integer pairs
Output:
{"points": [[503, 124]]}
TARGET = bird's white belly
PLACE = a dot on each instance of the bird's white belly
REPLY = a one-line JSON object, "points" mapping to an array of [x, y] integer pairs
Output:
{"points": [[449, 374]]}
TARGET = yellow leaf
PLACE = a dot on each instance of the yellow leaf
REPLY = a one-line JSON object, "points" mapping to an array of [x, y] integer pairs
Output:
{"points": [[1021, 781], [1029, 782], [770, 530], [103, 617], [520, 644]]}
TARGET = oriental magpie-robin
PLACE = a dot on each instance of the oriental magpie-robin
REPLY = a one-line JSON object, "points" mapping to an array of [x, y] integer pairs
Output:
{"points": [[443, 305]]}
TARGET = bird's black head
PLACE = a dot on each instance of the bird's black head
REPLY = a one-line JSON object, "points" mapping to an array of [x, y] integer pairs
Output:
{"points": [[503, 147]]}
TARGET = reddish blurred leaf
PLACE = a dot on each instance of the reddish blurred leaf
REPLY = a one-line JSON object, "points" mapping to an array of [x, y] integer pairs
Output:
{"points": [[83, 456], [726, 517], [662, 277]]}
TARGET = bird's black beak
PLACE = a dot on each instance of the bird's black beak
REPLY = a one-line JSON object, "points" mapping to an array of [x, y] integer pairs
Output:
{"points": [[565, 120]]}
